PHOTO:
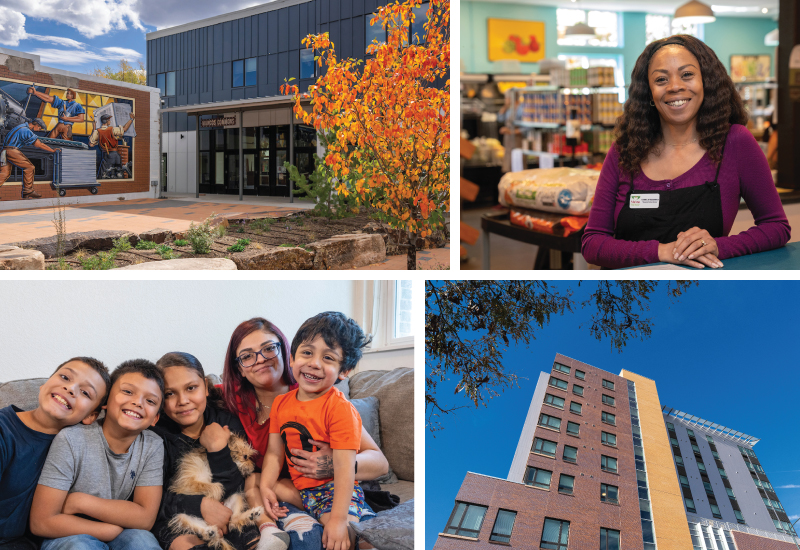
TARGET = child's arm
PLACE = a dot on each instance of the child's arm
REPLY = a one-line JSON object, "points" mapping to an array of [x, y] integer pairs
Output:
{"points": [[48, 520], [270, 470], [139, 514], [335, 535]]}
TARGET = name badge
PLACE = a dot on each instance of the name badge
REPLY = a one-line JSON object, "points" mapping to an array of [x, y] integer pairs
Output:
{"points": [[648, 200]]}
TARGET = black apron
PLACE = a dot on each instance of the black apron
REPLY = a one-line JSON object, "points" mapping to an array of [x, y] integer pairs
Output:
{"points": [[678, 210]]}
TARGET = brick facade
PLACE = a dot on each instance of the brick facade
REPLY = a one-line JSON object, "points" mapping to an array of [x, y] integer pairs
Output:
{"points": [[745, 541], [141, 144], [584, 510]]}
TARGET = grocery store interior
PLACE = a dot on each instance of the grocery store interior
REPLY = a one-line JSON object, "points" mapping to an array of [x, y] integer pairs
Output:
{"points": [[543, 83]]}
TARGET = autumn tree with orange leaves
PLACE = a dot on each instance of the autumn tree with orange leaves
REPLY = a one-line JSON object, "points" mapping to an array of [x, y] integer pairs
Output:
{"points": [[389, 117]]}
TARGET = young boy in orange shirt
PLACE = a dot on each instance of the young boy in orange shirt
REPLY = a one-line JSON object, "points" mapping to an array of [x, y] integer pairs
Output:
{"points": [[325, 349]]}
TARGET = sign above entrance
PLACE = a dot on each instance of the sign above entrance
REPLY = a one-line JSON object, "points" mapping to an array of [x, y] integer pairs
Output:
{"points": [[218, 121]]}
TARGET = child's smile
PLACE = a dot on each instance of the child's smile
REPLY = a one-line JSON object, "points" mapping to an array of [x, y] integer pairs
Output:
{"points": [[316, 367]]}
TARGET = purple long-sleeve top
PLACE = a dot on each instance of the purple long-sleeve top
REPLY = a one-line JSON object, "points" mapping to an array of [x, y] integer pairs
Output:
{"points": [[744, 174]]}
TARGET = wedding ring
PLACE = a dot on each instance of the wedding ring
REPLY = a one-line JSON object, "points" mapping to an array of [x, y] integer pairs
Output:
{"points": [[703, 243]]}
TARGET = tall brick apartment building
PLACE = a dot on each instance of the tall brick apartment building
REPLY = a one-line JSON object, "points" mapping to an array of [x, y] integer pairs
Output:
{"points": [[600, 464]]}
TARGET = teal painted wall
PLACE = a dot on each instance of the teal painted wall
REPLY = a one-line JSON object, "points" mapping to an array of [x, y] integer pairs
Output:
{"points": [[726, 36]]}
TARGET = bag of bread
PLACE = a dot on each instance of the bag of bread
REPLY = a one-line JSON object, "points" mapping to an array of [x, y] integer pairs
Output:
{"points": [[560, 190]]}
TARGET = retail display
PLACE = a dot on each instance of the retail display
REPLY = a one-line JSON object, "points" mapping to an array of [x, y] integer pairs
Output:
{"points": [[560, 190]]}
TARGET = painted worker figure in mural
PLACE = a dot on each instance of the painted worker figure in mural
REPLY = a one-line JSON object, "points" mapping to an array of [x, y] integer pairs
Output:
{"points": [[108, 137], [22, 136], [69, 112]]}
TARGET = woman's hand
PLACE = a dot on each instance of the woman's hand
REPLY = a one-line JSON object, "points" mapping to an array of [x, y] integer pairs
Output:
{"points": [[216, 513], [694, 243], [335, 535], [317, 464], [215, 437]]}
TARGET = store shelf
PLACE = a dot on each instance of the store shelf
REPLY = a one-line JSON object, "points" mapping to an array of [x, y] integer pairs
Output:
{"points": [[554, 155], [551, 125]]}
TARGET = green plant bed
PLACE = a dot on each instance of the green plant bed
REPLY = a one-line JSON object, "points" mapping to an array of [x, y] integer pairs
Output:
{"points": [[146, 245]]}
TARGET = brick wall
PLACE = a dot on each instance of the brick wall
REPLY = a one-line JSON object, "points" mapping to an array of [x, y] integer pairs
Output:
{"points": [[584, 510], [141, 144], [746, 541]]}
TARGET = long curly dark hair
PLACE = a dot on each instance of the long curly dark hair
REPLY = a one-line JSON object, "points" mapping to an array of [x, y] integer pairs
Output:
{"points": [[638, 130]]}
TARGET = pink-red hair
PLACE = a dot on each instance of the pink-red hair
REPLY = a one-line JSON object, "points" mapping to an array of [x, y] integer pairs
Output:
{"points": [[233, 383]]}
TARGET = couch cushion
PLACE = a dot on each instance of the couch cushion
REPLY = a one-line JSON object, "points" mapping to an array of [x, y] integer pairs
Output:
{"points": [[22, 393], [403, 489], [391, 529], [395, 390], [368, 409]]}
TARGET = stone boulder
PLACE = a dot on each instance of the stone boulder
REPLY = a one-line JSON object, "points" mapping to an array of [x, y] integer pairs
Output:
{"points": [[184, 264], [92, 240], [14, 257], [158, 236], [275, 258], [348, 251]]}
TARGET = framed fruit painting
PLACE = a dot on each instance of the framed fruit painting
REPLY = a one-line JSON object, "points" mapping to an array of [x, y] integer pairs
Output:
{"points": [[514, 39]]}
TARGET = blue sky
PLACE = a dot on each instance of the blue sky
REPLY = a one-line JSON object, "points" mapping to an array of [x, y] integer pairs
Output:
{"points": [[81, 35], [723, 352]]}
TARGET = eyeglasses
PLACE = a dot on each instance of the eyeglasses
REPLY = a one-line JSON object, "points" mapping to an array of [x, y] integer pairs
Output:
{"points": [[250, 358]]}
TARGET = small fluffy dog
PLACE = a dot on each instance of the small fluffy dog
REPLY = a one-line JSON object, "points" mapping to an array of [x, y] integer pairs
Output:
{"points": [[194, 478]]}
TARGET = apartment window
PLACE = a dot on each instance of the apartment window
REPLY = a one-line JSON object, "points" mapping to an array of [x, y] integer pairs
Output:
{"points": [[696, 449], [766, 501], [244, 72], [166, 83], [537, 477], [466, 520], [577, 390], [750, 467], [554, 401], [701, 467], [575, 407], [679, 460], [715, 454], [759, 469], [684, 480], [709, 489], [608, 384], [608, 439], [674, 442], [503, 525], [689, 505], [551, 422], [670, 426], [608, 400], [776, 504], [561, 368], [768, 486], [609, 539], [757, 482], [570, 454], [609, 418], [555, 534], [690, 432], [307, 65], [715, 511], [558, 383], [708, 438], [573, 428], [644, 510], [545, 447], [608, 464], [374, 32], [722, 473], [739, 516], [566, 484], [609, 493], [418, 26], [730, 493], [580, 375]]}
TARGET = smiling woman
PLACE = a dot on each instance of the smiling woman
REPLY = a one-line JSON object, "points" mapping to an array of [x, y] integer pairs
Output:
{"points": [[671, 185]]}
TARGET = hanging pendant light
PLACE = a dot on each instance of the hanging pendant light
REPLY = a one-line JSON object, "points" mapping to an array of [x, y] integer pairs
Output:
{"points": [[693, 12], [580, 30], [771, 39]]}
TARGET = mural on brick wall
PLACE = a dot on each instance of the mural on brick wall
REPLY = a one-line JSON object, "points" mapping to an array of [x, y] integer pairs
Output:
{"points": [[67, 138]]}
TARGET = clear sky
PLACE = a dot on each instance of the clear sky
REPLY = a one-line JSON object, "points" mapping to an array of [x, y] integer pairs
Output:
{"points": [[723, 352], [81, 35]]}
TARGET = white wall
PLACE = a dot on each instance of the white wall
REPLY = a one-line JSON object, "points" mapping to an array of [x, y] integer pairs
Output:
{"points": [[181, 161], [47, 322]]}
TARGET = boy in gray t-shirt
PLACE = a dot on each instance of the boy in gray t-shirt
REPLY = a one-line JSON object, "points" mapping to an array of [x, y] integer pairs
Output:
{"points": [[101, 485]]}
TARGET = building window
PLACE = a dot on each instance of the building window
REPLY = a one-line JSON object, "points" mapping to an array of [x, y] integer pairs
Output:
{"points": [[684, 480], [551, 422], [374, 32], [674, 442], [171, 83], [608, 384], [166, 83], [580, 375], [768, 486], [689, 505], [575, 407], [608, 400], [609, 418], [418, 26], [609, 539], [503, 525], [553, 401], [696, 449], [537, 477], [570, 454], [759, 469], [555, 534], [307, 65], [605, 23], [466, 520], [715, 511], [739, 516], [690, 432], [701, 467], [245, 72], [730, 493], [545, 447], [558, 383], [679, 460], [608, 439], [566, 484], [238, 73], [670, 426], [715, 454], [609, 493], [561, 368], [722, 473], [573, 428], [709, 489], [708, 438], [577, 390], [608, 464]]}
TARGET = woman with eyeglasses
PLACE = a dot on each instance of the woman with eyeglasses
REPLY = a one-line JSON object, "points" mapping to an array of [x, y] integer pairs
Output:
{"points": [[257, 370]]}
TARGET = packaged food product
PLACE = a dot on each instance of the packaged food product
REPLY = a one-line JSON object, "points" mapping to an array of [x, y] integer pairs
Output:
{"points": [[560, 226], [560, 190]]}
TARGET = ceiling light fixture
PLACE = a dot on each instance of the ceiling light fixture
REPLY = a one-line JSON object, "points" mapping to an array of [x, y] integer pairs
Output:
{"points": [[771, 39], [764, 10], [693, 12], [580, 30]]}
